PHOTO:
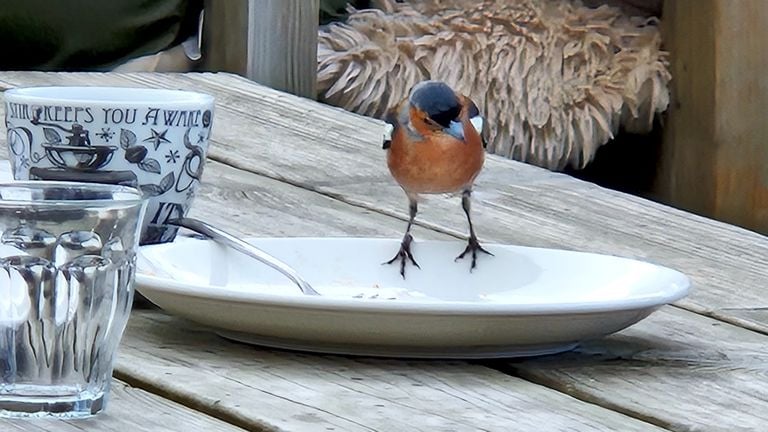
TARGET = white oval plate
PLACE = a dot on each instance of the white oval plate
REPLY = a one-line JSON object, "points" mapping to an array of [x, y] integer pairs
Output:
{"points": [[520, 302]]}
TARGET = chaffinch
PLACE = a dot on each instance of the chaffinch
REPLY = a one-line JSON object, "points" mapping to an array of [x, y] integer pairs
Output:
{"points": [[434, 146]]}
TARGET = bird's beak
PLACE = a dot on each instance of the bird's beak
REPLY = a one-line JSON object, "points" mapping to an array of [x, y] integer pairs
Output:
{"points": [[455, 129]]}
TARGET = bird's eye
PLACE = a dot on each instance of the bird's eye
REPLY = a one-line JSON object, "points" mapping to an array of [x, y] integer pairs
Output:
{"points": [[432, 122]]}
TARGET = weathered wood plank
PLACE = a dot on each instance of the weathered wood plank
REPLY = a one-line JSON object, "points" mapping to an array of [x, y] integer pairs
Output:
{"points": [[687, 371], [225, 36], [714, 153], [129, 409], [273, 42], [295, 392], [282, 51], [248, 204]]}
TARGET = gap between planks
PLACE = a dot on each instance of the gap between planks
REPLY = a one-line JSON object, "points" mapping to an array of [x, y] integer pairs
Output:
{"points": [[582, 395], [232, 418]]}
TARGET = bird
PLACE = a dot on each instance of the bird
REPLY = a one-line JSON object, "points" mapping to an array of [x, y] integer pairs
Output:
{"points": [[434, 145]]}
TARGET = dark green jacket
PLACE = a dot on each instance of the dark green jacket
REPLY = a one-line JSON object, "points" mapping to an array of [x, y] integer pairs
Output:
{"points": [[90, 34]]}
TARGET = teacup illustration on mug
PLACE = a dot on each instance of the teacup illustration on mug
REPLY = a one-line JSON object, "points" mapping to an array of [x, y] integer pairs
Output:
{"points": [[152, 139]]}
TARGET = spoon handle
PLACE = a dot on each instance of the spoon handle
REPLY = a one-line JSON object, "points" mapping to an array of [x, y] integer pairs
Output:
{"points": [[245, 248]]}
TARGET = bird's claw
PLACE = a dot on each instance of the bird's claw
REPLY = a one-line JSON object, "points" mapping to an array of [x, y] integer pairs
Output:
{"points": [[404, 254], [472, 246]]}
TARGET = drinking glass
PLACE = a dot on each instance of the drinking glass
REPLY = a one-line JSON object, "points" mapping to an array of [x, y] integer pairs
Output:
{"points": [[67, 266]]}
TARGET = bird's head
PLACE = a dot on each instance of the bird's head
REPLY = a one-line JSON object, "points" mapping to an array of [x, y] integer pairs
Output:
{"points": [[437, 104], [433, 107], [440, 108]]}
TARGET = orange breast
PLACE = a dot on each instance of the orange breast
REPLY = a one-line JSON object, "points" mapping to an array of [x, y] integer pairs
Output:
{"points": [[438, 164]]}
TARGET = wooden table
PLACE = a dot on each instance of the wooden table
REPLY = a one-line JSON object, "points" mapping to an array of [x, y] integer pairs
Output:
{"points": [[285, 166]]}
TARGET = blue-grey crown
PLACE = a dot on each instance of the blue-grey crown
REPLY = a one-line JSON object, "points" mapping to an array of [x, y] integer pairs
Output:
{"points": [[437, 100]]}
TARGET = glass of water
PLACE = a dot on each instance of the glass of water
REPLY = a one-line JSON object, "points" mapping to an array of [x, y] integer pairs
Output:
{"points": [[67, 265]]}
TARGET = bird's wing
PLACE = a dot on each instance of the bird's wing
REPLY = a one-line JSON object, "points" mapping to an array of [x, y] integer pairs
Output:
{"points": [[389, 128]]}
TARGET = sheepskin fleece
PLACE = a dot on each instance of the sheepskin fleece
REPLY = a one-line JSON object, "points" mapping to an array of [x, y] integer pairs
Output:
{"points": [[554, 79]]}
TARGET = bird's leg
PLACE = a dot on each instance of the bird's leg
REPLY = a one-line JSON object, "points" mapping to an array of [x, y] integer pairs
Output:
{"points": [[405, 246], [472, 245]]}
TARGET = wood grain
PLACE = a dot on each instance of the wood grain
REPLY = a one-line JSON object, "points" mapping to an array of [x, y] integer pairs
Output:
{"points": [[298, 392], [225, 36], [676, 369], [714, 153], [129, 409], [273, 42], [282, 44], [246, 204]]}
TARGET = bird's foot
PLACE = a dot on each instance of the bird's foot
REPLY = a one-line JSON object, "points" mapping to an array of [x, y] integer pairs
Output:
{"points": [[473, 246], [404, 254]]}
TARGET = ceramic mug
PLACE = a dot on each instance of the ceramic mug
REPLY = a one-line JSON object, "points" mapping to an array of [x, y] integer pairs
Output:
{"points": [[152, 139]]}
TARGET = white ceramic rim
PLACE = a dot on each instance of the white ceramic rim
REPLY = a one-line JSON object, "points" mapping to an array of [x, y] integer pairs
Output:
{"points": [[119, 96], [676, 288]]}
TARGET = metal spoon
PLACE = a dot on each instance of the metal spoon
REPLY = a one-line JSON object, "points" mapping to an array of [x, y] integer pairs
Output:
{"points": [[248, 249]]}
